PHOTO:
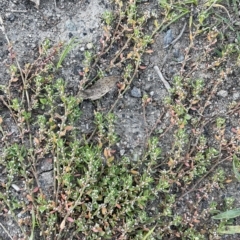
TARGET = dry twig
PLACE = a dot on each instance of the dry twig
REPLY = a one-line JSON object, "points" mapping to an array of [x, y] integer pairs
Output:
{"points": [[166, 84], [6, 231]]}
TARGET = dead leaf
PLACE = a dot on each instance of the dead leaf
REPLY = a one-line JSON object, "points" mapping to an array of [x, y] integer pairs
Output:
{"points": [[29, 197], [182, 125], [97, 229], [70, 219], [62, 133], [14, 79], [88, 215], [106, 153], [68, 128], [212, 36], [121, 86], [177, 235], [129, 55], [178, 183], [149, 51], [64, 197], [109, 160], [36, 189], [100, 144], [36, 141], [104, 210], [118, 206], [196, 221], [171, 162], [134, 172], [195, 101], [62, 225], [68, 169]]}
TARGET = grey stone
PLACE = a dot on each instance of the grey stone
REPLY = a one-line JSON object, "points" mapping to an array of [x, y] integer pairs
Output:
{"points": [[180, 58], [89, 46], [236, 95], [136, 92], [122, 151], [168, 38], [222, 93]]}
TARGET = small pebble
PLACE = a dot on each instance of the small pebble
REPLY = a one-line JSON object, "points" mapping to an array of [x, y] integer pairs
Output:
{"points": [[136, 92], [176, 52], [89, 46], [222, 93], [122, 151], [236, 96], [168, 38], [11, 17], [180, 58], [15, 187], [151, 93]]}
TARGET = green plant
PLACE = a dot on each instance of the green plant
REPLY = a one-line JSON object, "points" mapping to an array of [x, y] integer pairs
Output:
{"points": [[96, 193]]}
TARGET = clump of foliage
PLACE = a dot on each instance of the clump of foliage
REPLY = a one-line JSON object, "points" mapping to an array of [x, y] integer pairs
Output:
{"points": [[96, 193]]}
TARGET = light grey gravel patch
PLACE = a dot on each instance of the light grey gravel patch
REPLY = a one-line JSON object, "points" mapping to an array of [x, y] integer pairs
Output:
{"points": [[131, 128], [136, 92], [85, 25], [222, 93]]}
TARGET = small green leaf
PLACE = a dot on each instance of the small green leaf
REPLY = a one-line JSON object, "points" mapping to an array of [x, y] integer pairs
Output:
{"points": [[228, 214], [66, 50], [235, 164], [229, 230], [187, 117], [42, 208]]}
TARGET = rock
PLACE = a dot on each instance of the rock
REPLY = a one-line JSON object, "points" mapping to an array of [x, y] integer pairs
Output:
{"points": [[89, 46], [176, 52], [122, 151], [236, 96], [168, 38], [11, 18], [180, 58], [222, 93], [136, 92]]}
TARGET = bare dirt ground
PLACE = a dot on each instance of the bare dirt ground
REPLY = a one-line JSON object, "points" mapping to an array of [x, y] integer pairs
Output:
{"points": [[27, 27]]}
